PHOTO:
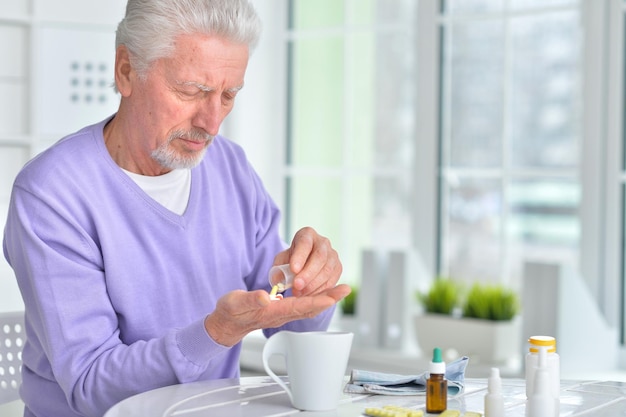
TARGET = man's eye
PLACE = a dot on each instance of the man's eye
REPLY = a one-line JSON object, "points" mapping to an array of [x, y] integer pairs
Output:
{"points": [[191, 93], [228, 97]]}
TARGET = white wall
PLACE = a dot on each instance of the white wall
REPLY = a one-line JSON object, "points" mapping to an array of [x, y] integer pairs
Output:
{"points": [[258, 120], [55, 72]]}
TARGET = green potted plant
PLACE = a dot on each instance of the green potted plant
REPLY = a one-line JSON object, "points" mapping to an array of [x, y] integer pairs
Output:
{"points": [[483, 322], [442, 298], [348, 304], [491, 302]]}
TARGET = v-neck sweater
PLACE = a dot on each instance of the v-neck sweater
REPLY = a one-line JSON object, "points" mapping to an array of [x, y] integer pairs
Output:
{"points": [[116, 287]]}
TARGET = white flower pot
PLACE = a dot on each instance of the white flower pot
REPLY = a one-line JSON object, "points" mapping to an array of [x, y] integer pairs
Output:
{"points": [[484, 341]]}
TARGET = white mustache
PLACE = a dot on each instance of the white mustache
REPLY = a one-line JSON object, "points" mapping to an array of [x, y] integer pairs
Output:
{"points": [[192, 135]]}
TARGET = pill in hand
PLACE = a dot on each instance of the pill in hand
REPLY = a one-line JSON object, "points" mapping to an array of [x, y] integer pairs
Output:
{"points": [[274, 294]]}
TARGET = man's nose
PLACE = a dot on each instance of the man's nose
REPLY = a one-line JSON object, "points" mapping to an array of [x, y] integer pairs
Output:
{"points": [[209, 116]]}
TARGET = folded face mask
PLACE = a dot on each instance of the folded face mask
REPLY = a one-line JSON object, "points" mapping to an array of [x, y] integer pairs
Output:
{"points": [[367, 382]]}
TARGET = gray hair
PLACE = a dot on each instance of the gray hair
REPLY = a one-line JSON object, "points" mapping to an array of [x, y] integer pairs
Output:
{"points": [[150, 27]]}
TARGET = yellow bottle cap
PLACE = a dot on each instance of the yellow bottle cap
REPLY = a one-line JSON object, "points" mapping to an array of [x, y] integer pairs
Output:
{"points": [[542, 341]]}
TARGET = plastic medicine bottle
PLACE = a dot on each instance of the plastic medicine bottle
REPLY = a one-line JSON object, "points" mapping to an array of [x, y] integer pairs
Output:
{"points": [[436, 385], [282, 276], [553, 364]]}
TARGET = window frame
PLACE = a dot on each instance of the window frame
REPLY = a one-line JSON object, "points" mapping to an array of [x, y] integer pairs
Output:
{"points": [[615, 170], [602, 207]]}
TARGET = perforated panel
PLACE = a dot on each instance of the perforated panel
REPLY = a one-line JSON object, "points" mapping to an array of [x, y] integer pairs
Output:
{"points": [[75, 81], [12, 338]]}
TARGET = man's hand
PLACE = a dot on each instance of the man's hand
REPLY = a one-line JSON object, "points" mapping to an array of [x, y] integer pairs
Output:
{"points": [[240, 312], [313, 260], [317, 270]]}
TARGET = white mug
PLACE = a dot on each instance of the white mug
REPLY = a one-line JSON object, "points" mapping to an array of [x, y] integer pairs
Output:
{"points": [[316, 366]]}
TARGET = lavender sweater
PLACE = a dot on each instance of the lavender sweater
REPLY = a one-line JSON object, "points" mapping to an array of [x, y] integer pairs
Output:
{"points": [[116, 287]]}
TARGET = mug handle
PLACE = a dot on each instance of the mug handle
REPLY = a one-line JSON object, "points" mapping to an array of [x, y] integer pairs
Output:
{"points": [[275, 345]]}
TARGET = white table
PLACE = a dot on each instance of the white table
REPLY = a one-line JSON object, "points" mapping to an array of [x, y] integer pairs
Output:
{"points": [[260, 396]]}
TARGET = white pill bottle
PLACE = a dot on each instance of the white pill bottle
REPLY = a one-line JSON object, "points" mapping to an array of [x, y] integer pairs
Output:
{"points": [[553, 364]]}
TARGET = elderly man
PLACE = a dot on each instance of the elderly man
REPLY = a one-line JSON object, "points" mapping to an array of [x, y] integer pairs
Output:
{"points": [[142, 244]]}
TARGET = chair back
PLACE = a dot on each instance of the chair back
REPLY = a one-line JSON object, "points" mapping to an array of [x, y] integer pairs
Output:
{"points": [[12, 338]]}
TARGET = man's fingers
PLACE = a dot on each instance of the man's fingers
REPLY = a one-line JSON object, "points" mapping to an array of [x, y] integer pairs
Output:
{"points": [[339, 292], [301, 247]]}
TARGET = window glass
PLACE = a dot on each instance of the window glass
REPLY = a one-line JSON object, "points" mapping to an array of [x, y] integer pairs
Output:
{"points": [[391, 217], [530, 4], [472, 208], [473, 92], [362, 12], [351, 124], [317, 99], [495, 6], [359, 99], [394, 104], [398, 12], [452, 7], [319, 202], [543, 223], [357, 223], [543, 216], [308, 14], [15, 8], [509, 126], [544, 100]]}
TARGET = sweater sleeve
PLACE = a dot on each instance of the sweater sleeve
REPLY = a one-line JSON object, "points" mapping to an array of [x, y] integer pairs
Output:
{"points": [[72, 327]]}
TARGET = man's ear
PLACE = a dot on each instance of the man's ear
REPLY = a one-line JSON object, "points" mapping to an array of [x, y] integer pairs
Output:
{"points": [[123, 71]]}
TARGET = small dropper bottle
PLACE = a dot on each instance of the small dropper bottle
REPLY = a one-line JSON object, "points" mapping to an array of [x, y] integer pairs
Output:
{"points": [[494, 401], [436, 385]]}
